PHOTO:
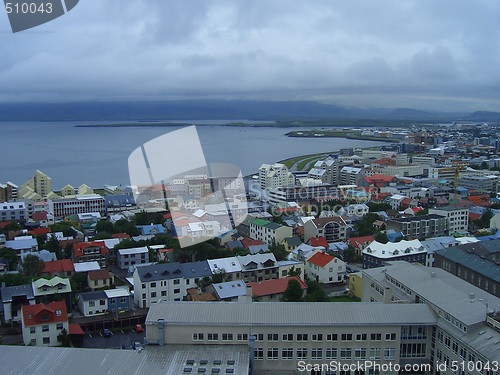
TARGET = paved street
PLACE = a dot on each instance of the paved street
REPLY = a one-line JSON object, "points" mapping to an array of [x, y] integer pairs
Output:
{"points": [[119, 339]]}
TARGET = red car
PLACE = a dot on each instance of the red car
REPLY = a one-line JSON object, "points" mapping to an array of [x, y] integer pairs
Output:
{"points": [[138, 328]]}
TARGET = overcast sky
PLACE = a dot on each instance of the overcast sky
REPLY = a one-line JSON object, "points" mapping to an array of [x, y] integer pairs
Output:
{"points": [[425, 54]]}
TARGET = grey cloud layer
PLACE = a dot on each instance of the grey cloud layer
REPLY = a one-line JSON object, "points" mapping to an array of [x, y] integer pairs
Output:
{"points": [[426, 54]]}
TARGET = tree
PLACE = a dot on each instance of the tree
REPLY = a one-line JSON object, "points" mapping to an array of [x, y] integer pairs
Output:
{"points": [[104, 226], [293, 292], [10, 256], [32, 265], [381, 237], [279, 251], [423, 212], [364, 226], [54, 246], [294, 272], [315, 293], [64, 338]]}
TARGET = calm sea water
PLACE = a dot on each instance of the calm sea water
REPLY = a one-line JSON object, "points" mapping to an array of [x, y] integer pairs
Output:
{"points": [[98, 156]]}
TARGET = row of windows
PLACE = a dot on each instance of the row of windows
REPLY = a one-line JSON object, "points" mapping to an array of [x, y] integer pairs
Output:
{"points": [[328, 353], [298, 337], [46, 328]]}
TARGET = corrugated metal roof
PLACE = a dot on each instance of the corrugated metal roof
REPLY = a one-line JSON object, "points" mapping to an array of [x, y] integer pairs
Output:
{"points": [[290, 313], [153, 360]]}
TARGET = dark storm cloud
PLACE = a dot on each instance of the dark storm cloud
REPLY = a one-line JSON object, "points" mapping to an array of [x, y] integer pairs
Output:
{"points": [[426, 54]]}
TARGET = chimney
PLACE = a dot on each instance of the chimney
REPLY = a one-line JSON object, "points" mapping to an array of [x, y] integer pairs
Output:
{"points": [[161, 332], [472, 296]]}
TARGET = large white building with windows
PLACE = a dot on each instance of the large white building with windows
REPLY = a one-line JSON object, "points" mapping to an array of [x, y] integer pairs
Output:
{"points": [[458, 218], [273, 176]]}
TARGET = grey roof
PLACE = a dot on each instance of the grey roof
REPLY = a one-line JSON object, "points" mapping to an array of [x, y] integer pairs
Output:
{"points": [[230, 289], [483, 247], [293, 241], [153, 360], [19, 290], [174, 270], [290, 313], [474, 262], [445, 291], [418, 218], [273, 226], [485, 340], [91, 296], [256, 249]]}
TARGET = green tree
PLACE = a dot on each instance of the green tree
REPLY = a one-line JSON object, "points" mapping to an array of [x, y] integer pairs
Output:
{"points": [[13, 226], [381, 237], [294, 272], [423, 212], [64, 338], [10, 256], [12, 279], [32, 265], [64, 227], [279, 251], [364, 226], [104, 226], [315, 292], [54, 246], [293, 292]]}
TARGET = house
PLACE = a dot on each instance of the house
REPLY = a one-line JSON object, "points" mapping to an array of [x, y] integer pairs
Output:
{"points": [[290, 265], [62, 268], [55, 289], [119, 300], [360, 243], [230, 266], [133, 256], [13, 298], [258, 267], [22, 245], [377, 254], [458, 217], [100, 279], [291, 243], [93, 303], [229, 291], [152, 229], [43, 323], [258, 249], [325, 268], [268, 231], [90, 252], [272, 290], [332, 228]]}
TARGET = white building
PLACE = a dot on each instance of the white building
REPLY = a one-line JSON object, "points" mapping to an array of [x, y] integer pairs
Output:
{"points": [[275, 175], [377, 254], [41, 323], [133, 256], [458, 217], [12, 211], [93, 303], [325, 268], [22, 245]]}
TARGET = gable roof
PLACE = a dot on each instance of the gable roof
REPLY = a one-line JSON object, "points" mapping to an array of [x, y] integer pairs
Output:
{"points": [[62, 265], [357, 241], [320, 241], [54, 312], [320, 259], [99, 275], [80, 246], [273, 286]]}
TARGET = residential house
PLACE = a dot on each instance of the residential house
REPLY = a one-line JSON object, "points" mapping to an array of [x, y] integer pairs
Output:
{"points": [[133, 256], [291, 243], [325, 268], [268, 231], [22, 245], [100, 279], [285, 267], [230, 266], [61, 268], [90, 252], [258, 267], [54, 289], [332, 228], [93, 303], [43, 323], [272, 290], [13, 298], [360, 243], [377, 254], [229, 291], [151, 229], [119, 300]]}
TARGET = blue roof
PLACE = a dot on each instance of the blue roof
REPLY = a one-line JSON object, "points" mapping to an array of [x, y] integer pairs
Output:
{"points": [[151, 229]]}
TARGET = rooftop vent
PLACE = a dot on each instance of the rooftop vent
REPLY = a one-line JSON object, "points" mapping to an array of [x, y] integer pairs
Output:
{"points": [[433, 274]]}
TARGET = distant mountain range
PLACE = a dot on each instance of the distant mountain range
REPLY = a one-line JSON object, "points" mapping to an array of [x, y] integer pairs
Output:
{"points": [[219, 110]]}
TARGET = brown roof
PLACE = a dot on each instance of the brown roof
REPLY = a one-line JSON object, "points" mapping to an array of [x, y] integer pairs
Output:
{"points": [[54, 312], [65, 265], [99, 275]]}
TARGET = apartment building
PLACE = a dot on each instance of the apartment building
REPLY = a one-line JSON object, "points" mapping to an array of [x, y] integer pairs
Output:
{"points": [[377, 254], [40, 183], [467, 328], [95, 251], [12, 211], [8, 192], [420, 227], [350, 175], [302, 193], [314, 333], [269, 232], [80, 204], [272, 176], [458, 217], [326, 170], [131, 257], [332, 228]]}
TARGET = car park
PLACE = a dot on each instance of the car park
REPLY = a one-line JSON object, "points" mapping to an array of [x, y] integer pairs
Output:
{"points": [[107, 333], [138, 328]]}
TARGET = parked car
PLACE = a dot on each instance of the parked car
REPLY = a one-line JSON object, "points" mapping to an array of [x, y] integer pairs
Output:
{"points": [[106, 332], [137, 346], [138, 328]]}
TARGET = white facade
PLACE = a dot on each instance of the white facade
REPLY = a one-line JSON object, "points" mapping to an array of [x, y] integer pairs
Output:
{"points": [[12, 211], [41, 324], [458, 218], [324, 268], [275, 175], [131, 257]]}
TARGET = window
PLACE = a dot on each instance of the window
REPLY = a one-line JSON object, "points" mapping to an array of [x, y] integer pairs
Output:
{"points": [[272, 353], [331, 337], [242, 337], [287, 337], [390, 337], [59, 326], [376, 336], [213, 337], [272, 337], [302, 353], [91, 303], [46, 340], [287, 353], [227, 337], [32, 329], [153, 285], [331, 353], [197, 336], [45, 328], [389, 353], [360, 336], [360, 353], [345, 353], [259, 353], [102, 302], [177, 291], [440, 335], [374, 353], [317, 337], [346, 337], [317, 353], [177, 281], [153, 294], [302, 337], [259, 337], [163, 293], [447, 341]]}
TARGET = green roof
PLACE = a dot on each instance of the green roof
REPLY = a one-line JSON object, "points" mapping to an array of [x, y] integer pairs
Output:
{"points": [[260, 222]]}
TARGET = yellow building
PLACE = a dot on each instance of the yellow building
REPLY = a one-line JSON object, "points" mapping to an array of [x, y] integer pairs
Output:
{"points": [[356, 284]]}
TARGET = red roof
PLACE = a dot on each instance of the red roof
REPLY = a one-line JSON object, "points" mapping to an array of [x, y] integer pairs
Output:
{"points": [[273, 286], [64, 265], [379, 178], [406, 201], [480, 200], [385, 161], [54, 312], [416, 209], [474, 217], [120, 235], [247, 242], [356, 241], [320, 241], [75, 329], [37, 216], [79, 247], [38, 231], [3, 224], [321, 259]]}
